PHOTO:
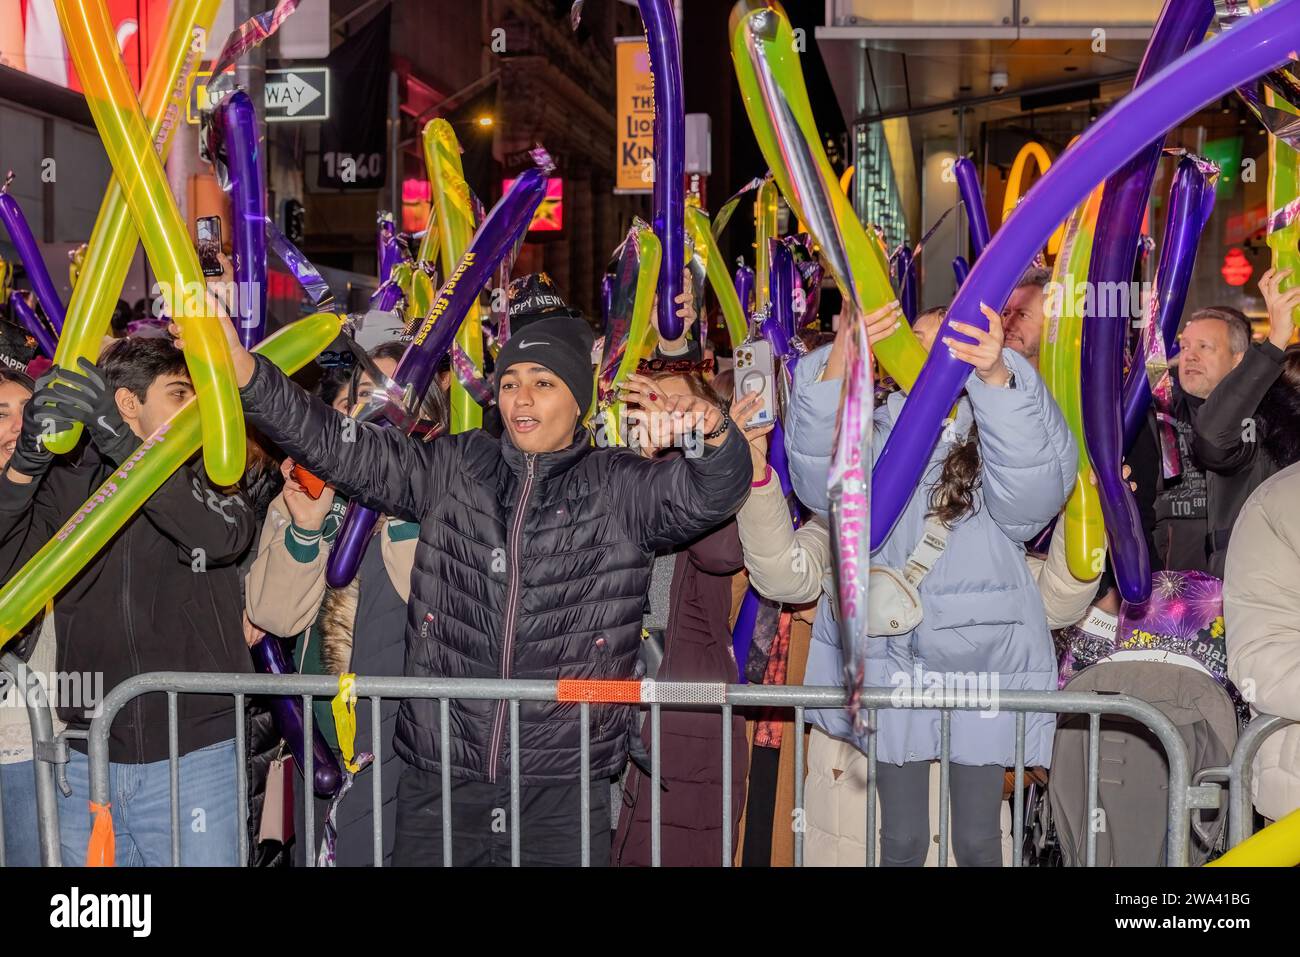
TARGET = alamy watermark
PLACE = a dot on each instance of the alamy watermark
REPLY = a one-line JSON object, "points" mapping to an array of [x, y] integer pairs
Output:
{"points": [[70, 690], [973, 690]]}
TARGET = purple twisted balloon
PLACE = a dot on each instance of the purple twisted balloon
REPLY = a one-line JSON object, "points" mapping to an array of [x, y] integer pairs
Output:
{"points": [[238, 122], [493, 241], [960, 269], [28, 319], [20, 233], [744, 280], [670, 157], [968, 184], [269, 659], [1191, 201], [1181, 26], [903, 271], [1203, 75]]}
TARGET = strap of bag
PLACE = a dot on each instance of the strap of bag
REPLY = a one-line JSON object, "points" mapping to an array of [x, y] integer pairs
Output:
{"points": [[928, 551]]}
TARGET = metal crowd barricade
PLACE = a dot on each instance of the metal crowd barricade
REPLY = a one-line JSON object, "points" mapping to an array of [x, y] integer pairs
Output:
{"points": [[48, 752], [1183, 795], [1240, 771]]}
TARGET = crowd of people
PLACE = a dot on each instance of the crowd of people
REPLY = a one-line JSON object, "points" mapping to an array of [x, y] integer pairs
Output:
{"points": [[526, 550]]}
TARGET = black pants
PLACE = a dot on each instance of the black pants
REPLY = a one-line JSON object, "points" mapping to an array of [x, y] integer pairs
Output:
{"points": [[549, 823], [905, 834]]}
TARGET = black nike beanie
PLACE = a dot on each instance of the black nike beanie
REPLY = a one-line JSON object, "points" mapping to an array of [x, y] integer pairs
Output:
{"points": [[561, 344]]}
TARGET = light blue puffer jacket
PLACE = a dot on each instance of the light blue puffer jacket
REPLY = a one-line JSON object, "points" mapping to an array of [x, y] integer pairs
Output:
{"points": [[982, 609]]}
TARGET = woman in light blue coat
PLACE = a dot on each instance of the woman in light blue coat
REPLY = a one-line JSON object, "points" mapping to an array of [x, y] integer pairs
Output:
{"points": [[1001, 470]]}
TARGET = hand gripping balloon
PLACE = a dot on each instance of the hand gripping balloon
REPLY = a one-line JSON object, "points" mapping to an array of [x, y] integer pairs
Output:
{"points": [[771, 85], [112, 244], [1085, 531], [629, 331], [1203, 75], [122, 494], [669, 156], [240, 172], [1181, 26], [697, 226], [93, 45], [415, 372]]}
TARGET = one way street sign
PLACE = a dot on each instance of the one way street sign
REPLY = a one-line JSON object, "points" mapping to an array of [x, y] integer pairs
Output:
{"points": [[291, 96], [297, 94]]}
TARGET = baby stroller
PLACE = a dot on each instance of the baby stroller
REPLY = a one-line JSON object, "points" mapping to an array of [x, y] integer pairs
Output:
{"points": [[1169, 652]]}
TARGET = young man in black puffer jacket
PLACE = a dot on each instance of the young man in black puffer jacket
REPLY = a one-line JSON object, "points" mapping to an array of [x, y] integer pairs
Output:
{"points": [[533, 562]]}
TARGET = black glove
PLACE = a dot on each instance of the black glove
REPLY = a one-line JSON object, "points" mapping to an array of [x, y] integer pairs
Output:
{"points": [[31, 457], [86, 398]]}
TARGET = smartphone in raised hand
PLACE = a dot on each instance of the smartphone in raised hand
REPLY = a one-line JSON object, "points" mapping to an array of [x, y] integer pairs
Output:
{"points": [[756, 372], [208, 229]]}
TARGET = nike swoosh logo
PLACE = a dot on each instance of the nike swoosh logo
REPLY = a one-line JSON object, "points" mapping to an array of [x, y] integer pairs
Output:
{"points": [[529, 345], [103, 424]]}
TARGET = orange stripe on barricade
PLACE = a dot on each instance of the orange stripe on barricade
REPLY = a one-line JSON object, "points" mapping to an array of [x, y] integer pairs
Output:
{"points": [[597, 691], [102, 847]]}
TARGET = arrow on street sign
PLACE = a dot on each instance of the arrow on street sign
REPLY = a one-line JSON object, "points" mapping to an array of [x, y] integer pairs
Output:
{"points": [[297, 94], [291, 95]]}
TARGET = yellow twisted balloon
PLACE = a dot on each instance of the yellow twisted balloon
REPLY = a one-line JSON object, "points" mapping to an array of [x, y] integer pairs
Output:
{"points": [[455, 222], [138, 170], [107, 256], [126, 490]]}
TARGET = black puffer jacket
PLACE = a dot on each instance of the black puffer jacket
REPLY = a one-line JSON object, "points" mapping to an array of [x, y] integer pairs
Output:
{"points": [[139, 605], [529, 566]]}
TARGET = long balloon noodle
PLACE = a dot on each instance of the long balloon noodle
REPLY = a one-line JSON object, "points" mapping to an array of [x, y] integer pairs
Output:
{"points": [[640, 329], [1181, 26], [763, 49], [113, 240], [238, 123], [697, 226], [765, 211], [903, 271], [1059, 362], [1191, 200], [28, 319], [968, 185], [960, 269], [1284, 195], [669, 156], [744, 282], [11, 214], [122, 494], [1200, 77], [92, 43], [390, 252], [1277, 845], [415, 372], [456, 227], [776, 328], [849, 486], [269, 659]]}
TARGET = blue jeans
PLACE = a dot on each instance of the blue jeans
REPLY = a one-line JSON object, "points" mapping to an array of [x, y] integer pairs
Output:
{"points": [[140, 795], [22, 842]]}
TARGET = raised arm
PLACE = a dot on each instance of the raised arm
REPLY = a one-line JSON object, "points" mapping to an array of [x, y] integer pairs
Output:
{"points": [[381, 468]]}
